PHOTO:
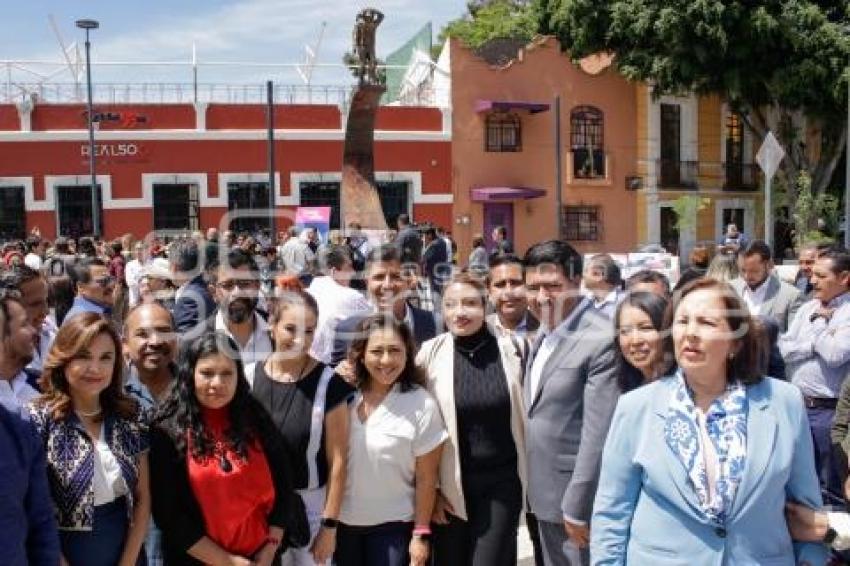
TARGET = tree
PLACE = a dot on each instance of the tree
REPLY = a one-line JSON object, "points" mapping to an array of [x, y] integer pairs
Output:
{"points": [[781, 64], [351, 61], [493, 19]]}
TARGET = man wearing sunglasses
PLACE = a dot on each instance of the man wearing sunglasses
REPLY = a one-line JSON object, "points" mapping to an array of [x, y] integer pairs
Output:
{"points": [[94, 288]]}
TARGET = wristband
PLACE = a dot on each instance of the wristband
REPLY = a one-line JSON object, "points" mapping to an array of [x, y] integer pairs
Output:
{"points": [[422, 530], [329, 523]]}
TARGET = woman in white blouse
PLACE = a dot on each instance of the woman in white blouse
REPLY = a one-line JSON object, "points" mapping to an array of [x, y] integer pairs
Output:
{"points": [[394, 452]]}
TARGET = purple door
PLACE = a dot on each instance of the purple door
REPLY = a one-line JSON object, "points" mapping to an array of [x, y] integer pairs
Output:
{"points": [[498, 214]]}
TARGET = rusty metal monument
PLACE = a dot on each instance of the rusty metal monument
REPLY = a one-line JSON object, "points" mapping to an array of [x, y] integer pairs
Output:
{"points": [[359, 195]]}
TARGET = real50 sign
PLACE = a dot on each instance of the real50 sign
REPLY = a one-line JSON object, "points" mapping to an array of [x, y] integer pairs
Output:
{"points": [[119, 152]]}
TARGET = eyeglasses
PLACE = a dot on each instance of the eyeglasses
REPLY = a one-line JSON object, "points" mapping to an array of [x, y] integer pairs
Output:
{"points": [[104, 282], [229, 284]]}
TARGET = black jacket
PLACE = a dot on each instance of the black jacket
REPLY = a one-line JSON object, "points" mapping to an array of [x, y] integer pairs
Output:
{"points": [[176, 511], [424, 328], [409, 243]]}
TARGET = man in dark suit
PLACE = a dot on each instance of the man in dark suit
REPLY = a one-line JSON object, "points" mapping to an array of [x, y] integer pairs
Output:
{"points": [[434, 261], [386, 290], [570, 392], [408, 241], [193, 303]]}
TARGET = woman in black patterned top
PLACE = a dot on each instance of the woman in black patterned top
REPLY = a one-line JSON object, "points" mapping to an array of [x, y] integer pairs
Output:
{"points": [[308, 403]]}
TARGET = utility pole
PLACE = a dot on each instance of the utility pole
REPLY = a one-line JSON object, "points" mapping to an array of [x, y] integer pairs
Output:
{"points": [[89, 25], [270, 126]]}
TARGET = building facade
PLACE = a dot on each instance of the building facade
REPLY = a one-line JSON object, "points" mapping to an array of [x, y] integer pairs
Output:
{"points": [[503, 148], [182, 167], [698, 169]]}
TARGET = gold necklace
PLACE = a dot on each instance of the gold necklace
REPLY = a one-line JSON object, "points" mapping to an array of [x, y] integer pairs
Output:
{"points": [[276, 370]]}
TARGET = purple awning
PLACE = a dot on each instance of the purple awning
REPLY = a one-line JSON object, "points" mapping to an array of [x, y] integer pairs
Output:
{"points": [[491, 194], [487, 105]]}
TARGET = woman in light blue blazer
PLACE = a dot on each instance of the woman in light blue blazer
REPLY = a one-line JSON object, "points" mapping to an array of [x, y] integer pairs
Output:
{"points": [[698, 466]]}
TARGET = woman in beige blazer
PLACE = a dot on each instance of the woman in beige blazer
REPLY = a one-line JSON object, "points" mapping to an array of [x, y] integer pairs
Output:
{"points": [[476, 379]]}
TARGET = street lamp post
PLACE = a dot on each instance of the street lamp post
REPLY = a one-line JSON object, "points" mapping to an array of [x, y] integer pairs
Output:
{"points": [[89, 25], [846, 30]]}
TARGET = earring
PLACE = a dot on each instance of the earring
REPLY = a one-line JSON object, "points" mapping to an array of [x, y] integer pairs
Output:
{"points": [[731, 356]]}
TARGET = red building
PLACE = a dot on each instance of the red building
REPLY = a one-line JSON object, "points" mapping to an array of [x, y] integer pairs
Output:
{"points": [[183, 166]]}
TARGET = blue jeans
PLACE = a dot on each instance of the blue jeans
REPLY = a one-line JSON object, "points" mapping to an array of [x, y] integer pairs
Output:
{"points": [[379, 545], [828, 467]]}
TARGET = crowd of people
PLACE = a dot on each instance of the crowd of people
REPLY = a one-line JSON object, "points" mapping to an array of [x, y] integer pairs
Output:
{"points": [[235, 400]]}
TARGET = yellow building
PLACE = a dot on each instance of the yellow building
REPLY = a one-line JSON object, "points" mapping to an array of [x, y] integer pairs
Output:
{"points": [[696, 159]]}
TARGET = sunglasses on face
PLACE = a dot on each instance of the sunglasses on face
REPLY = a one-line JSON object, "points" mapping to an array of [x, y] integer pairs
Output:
{"points": [[104, 282]]}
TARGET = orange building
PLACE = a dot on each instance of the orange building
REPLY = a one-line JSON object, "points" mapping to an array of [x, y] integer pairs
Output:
{"points": [[180, 167], [503, 148]]}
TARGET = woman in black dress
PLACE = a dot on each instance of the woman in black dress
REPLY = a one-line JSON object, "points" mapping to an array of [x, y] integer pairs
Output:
{"points": [[307, 402]]}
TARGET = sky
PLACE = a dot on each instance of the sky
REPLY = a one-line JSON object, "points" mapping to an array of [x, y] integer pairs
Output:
{"points": [[270, 31]]}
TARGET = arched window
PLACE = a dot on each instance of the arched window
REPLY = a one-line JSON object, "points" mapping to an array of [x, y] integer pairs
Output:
{"points": [[504, 132], [587, 142]]}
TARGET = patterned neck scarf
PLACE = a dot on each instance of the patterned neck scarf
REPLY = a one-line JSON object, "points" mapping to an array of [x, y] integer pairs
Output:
{"points": [[726, 423]]}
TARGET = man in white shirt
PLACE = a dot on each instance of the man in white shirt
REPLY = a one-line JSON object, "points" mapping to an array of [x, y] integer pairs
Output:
{"points": [[765, 294], [237, 292], [35, 252], [338, 301], [133, 272], [604, 284], [17, 340]]}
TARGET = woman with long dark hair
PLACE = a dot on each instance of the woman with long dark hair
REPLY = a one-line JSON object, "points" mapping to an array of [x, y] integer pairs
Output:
{"points": [[307, 401], [641, 342], [96, 443], [393, 452], [220, 474]]}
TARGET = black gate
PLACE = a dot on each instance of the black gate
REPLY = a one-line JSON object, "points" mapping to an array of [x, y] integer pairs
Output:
{"points": [[248, 204], [13, 221], [73, 203], [175, 207]]}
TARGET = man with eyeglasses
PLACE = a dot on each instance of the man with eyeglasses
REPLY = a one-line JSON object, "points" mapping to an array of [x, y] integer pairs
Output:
{"points": [[237, 293], [94, 288]]}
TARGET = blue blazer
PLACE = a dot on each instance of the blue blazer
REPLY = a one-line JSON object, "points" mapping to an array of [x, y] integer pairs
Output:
{"points": [[646, 512], [194, 307]]}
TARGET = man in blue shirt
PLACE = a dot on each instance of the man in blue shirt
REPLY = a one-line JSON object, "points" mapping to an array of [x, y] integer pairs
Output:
{"points": [[28, 534], [94, 288], [816, 350]]}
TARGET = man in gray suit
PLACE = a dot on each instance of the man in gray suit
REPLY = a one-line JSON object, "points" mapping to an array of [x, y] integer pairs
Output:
{"points": [[764, 293], [570, 392]]}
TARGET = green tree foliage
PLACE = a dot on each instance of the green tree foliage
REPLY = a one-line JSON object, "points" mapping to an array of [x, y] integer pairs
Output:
{"points": [[493, 19], [781, 64], [350, 59]]}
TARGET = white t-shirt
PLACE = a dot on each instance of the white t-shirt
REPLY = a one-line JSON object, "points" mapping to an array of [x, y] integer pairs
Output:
{"points": [[382, 456], [132, 274], [33, 261], [108, 482], [336, 303]]}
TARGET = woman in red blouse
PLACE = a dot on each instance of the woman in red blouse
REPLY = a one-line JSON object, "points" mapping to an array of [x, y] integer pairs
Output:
{"points": [[219, 474]]}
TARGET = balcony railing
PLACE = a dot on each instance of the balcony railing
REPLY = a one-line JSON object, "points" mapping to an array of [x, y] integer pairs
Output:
{"points": [[741, 177], [588, 164], [674, 174]]}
